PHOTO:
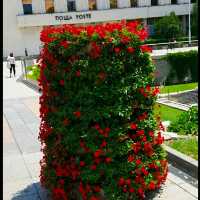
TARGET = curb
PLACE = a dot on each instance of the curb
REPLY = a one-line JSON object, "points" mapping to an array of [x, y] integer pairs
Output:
{"points": [[31, 84], [175, 93], [182, 162]]}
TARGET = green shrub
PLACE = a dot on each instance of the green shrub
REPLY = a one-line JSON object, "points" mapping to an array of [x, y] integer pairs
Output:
{"points": [[181, 63], [187, 122], [33, 72]]}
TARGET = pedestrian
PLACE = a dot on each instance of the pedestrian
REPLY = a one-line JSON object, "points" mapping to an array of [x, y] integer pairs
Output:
{"points": [[11, 61]]}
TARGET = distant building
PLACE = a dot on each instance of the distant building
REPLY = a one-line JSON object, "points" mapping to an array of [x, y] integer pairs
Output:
{"points": [[24, 19]]}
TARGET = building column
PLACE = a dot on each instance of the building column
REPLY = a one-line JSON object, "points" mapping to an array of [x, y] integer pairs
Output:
{"points": [[60, 6], [182, 1], [123, 3], [164, 2], [142, 3], [103, 4], [19, 7], [38, 6], [184, 22], [82, 5]]}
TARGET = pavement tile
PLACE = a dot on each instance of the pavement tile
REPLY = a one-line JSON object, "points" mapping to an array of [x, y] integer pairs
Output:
{"points": [[14, 168], [22, 197], [190, 189], [19, 187], [34, 127], [10, 149], [32, 157], [173, 191]]}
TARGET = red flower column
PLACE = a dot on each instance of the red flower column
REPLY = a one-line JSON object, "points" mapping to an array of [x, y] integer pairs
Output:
{"points": [[98, 132]]}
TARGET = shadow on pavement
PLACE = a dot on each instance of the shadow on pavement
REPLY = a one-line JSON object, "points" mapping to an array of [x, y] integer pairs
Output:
{"points": [[32, 192]]}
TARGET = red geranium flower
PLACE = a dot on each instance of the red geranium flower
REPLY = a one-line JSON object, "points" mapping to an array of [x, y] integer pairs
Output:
{"points": [[152, 185], [133, 126], [130, 49], [117, 50], [103, 144], [108, 160], [64, 44], [131, 190], [98, 153], [78, 73], [66, 121], [138, 162], [128, 181], [131, 158], [93, 167], [82, 163], [62, 82], [145, 48], [121, 181], [77, 114], [97, 188]]}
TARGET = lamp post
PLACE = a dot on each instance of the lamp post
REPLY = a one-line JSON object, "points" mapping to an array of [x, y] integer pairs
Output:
{"points": [[189, 32]]}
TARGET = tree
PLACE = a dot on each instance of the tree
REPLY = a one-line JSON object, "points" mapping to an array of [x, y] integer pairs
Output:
{"points": [[194, 21], [168, 27]]}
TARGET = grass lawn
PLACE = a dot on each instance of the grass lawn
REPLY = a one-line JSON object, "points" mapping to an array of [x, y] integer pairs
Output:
{"points": [[186, 146], [178, 87], [167, 113]]}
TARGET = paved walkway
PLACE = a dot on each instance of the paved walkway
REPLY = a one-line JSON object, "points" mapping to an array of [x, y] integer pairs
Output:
{"points": [[21, 150]]}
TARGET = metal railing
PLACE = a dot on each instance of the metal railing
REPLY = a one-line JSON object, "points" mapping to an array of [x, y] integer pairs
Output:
{"points": [[170, 45]]}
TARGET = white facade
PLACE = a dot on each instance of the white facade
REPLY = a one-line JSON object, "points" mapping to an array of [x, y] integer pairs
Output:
{"points": [[22, 31]]}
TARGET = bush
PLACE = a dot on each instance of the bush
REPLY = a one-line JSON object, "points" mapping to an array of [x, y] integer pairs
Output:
{"points": [[182, 63], [33, 72], [187, 123], [168, 27], [97, 127]]}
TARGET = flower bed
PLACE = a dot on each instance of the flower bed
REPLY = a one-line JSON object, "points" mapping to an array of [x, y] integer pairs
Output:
{"points": [[98, 133]]}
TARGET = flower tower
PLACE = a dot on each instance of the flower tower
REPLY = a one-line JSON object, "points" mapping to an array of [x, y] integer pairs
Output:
{"points": [[99, 137]]}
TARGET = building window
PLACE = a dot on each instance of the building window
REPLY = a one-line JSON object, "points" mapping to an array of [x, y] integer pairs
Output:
{"points": [[27, 6], [71, 5], [173, 1], [113, 3], [92, 4], [133, 3], [49, 6], [154, 2]]}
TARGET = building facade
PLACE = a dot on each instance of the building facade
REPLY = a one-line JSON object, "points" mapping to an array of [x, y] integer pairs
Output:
{"points": [[24, 19]]}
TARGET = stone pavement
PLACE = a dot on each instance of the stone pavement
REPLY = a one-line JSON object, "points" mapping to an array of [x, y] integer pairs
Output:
{"points": [[21, 150]]}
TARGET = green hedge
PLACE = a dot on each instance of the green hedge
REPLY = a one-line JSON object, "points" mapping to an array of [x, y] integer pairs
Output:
{"points": [[181, 63]]}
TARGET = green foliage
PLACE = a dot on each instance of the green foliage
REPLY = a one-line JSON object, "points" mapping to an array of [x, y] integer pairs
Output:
{"points": [[187, 122], [33, 72], [181, 63], [168, 27]]}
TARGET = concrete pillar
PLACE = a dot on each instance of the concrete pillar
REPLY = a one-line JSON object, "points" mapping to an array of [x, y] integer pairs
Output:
{"points": [[164, 2], [38, 6], [19, 7], [103, 4], [182, 1], [142, 3], [82, 5], [60, 6], [184, 24], [123, 4]]}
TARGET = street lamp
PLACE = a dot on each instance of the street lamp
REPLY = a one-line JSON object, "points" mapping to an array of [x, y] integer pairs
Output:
{"points": [[189, 33]]}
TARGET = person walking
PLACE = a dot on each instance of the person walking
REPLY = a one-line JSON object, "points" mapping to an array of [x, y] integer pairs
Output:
{"points": [[11, 61]]}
